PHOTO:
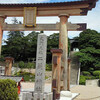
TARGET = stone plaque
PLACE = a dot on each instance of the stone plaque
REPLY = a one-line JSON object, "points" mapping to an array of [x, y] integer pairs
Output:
{"points": [[30, 16], [40, 63]]}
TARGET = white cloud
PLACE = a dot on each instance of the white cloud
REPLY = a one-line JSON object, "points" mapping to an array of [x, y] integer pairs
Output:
{"points": [[9, 1], [47, 19], [23, 1], [36, 1]]}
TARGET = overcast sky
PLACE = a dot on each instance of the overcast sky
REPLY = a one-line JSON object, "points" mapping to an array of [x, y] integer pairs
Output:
{"points": [[92, 19]]}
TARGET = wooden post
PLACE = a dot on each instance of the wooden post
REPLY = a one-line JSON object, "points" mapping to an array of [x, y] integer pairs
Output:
{"points": [[8, 67], [63, 44], [2, 18], [54, 94], [56, 70], [68, 76], [62, 87]]}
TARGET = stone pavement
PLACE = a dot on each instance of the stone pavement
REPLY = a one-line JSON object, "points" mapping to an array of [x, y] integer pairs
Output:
{"points": [[29, 87], [86, 92]]}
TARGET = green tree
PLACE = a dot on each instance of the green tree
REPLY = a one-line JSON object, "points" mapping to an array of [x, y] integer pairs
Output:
{"points": [[53, 42], [32, 41], [13, 45], [89, 46], [22, 47]]}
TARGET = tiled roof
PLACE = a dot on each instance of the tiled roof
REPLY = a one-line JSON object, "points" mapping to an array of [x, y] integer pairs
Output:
{"points": [[16, 79], [92, 2]]}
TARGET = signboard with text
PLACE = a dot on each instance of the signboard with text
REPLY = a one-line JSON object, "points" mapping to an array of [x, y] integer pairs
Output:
{"points": [[30, 16]]}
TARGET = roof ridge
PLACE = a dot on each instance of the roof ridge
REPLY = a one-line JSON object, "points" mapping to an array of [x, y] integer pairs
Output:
{"points": [[47, 2]]}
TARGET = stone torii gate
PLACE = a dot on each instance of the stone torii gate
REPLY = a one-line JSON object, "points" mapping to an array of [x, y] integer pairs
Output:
{"points": [[30, 11]]}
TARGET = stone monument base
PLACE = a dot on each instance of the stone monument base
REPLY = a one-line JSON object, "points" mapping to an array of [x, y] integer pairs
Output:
{"points": [[34, 96], [67, 95]]}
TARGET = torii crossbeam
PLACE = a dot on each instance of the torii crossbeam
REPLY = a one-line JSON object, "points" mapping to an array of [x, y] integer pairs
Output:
{"points": [[44, 27]]}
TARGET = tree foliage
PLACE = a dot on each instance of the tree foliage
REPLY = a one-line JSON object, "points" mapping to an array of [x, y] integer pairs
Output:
{"points": [[89, 46], [22, 47], [53, 42]]}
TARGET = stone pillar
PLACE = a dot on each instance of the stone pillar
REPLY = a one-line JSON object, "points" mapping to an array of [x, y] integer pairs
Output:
{"points": [[40, 64], [8, 67], [63, 44], [2, 18]]}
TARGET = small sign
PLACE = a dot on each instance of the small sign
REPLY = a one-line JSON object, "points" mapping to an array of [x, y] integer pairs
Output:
{"points": [[30, 16]]}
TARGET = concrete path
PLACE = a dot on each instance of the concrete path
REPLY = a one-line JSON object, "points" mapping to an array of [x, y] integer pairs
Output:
{"points": [[86, 92], [29, 87]]}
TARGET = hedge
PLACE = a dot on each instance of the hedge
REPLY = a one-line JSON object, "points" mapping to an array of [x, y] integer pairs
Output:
{"points": [[86, 73], [30, 65], [21, 64], [48, 67], [26, 75], [96, 73], [8, 90], [82, 80]]}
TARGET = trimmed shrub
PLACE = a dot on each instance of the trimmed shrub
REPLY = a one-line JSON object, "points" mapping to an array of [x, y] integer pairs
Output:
{"points": [[82, 80], [26, 75], [96, 73], [30, 65], [21, 64], [8, 90], [86, 73], [48, 67], [91, 69]]}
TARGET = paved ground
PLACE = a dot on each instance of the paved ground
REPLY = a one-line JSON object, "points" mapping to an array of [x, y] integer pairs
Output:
{"points": [[29, 87], [86, 92]]}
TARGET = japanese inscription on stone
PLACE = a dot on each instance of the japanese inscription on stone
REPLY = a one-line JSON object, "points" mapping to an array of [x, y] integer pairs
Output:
{"points": [[40, 63]]}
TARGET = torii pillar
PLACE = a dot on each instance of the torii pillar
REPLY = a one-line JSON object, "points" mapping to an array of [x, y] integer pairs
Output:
{"points": [[2, 19], [63, 44]]}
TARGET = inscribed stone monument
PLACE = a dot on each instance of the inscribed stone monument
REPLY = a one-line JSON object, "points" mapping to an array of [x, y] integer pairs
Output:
{"points": [[40, 63]]}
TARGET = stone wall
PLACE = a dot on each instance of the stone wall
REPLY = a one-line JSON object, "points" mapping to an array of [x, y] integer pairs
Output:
{"points": [[74, 69], [92, 82]]}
